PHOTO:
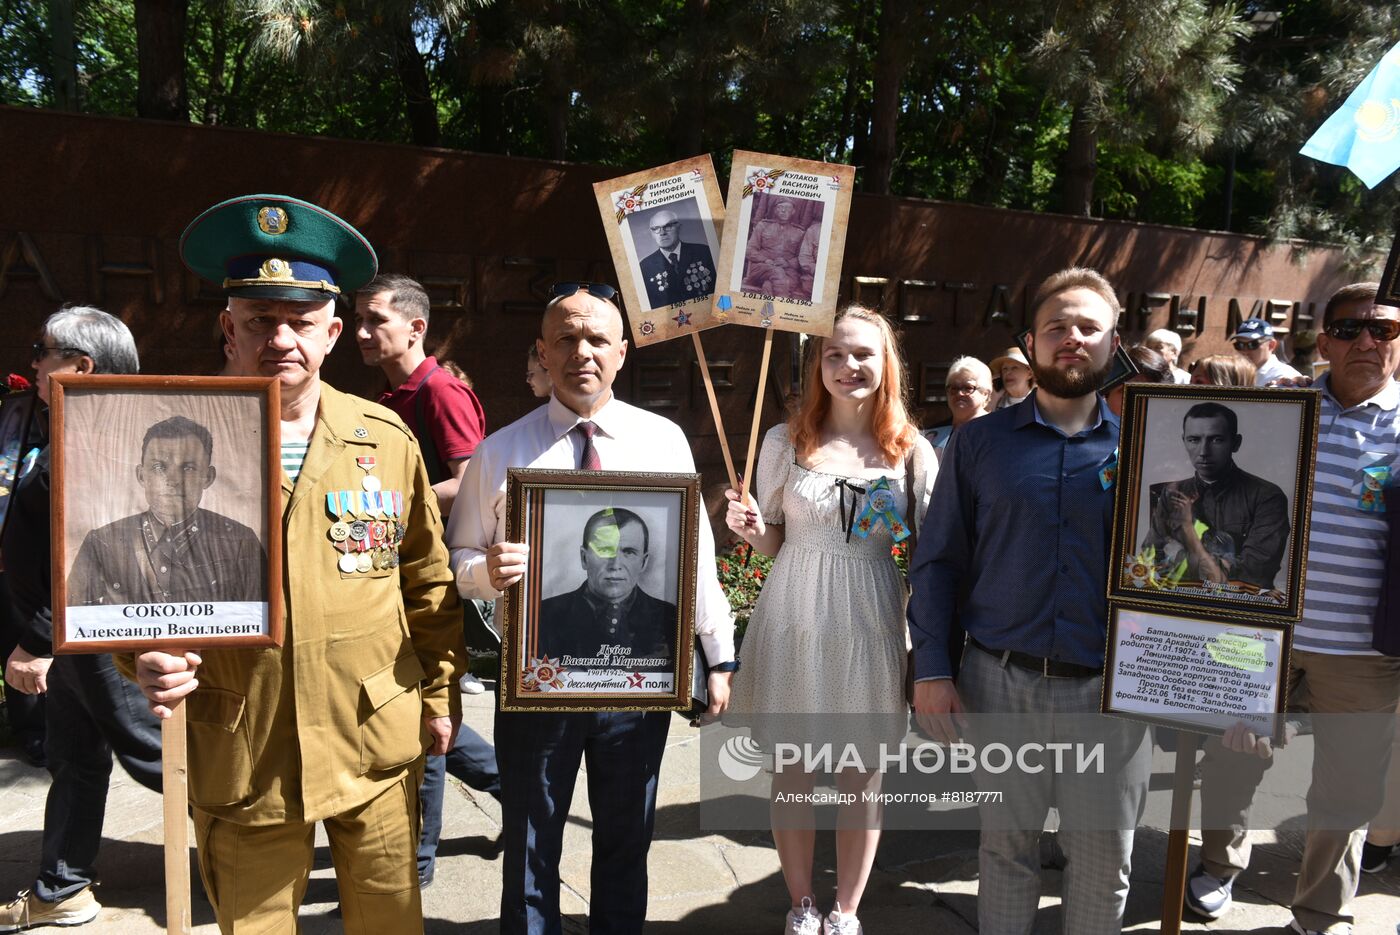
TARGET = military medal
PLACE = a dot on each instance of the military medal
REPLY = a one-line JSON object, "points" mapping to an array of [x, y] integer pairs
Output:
{"points": [[340, 531], [359, 530], [364, 563], [346, 562], [366, 463]]}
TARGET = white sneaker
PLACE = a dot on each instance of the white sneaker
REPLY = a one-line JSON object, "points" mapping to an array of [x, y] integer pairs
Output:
{"points": [[839, 924], [471, 685], [1208, 896], [804, 919]]}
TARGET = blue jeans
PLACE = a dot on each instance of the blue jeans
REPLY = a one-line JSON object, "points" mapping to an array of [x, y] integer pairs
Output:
{"points": [[93, 712], [540, 753], [471, 760]]}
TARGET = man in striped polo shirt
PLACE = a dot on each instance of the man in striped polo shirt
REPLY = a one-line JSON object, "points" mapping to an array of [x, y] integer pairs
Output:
{"points": [[1332, 670]]}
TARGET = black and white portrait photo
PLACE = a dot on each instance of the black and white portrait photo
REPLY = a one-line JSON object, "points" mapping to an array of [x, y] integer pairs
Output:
{"points": [[675, 258], [165, 514], [1222, 481], [610, 580]]}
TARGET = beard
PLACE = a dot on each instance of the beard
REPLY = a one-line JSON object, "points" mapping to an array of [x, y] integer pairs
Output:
{"points": [[1073, 383]]}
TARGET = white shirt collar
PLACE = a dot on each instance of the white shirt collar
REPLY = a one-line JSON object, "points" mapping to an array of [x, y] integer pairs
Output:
{"points": [[562, 419]]}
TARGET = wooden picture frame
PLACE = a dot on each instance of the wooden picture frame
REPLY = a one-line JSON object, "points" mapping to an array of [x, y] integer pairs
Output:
{"points": [[604, 617], [1196, 672], [141, 562], [1249, 492]]}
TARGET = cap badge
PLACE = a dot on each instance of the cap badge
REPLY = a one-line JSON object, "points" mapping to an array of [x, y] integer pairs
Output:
{"points": [[272, 220], [273, 268]]}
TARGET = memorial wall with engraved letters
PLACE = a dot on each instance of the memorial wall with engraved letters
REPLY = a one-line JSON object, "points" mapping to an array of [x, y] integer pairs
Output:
{"points": [[93, 209]]}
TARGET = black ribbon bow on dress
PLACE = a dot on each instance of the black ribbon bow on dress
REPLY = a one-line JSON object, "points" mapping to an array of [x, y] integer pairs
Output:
{"points": [[848, 522]]}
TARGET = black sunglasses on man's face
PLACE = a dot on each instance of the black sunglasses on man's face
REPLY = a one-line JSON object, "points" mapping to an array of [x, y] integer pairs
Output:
{"points": [[1349, 329]]}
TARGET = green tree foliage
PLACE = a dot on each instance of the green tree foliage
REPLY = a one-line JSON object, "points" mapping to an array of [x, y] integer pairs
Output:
{"points": [[1174, 111]]}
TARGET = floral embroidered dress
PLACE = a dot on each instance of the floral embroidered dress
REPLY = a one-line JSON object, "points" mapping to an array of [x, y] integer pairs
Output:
{"points": [[825, 652]]}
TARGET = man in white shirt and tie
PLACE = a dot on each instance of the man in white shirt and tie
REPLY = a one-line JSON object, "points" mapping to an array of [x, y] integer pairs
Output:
{"points": [[582, 426]]}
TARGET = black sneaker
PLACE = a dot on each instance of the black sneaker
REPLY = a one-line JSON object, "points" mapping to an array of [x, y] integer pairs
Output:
{"points": [[34, 752], [1374, 857]]}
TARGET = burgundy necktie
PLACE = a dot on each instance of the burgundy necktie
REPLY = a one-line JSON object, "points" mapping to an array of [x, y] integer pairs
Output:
{"points": [[588, 461]]}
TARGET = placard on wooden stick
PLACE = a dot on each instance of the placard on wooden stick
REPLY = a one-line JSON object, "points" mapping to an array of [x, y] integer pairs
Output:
{"points": [[663, 227], [780, 256], [166, 519]]}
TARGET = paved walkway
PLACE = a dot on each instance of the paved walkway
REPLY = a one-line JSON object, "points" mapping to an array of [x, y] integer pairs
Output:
{"points": [[700, 883]]}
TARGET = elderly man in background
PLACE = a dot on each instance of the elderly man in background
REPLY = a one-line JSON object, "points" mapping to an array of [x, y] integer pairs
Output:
{"points": [[1168, 343], [92, 712], [1333, 669]]}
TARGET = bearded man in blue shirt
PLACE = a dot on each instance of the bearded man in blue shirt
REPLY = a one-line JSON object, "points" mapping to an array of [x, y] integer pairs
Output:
{"points": [[1015, 553]]}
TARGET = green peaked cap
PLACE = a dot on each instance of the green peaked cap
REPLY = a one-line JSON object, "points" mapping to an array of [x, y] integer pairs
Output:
{"points": [[277, 247]]}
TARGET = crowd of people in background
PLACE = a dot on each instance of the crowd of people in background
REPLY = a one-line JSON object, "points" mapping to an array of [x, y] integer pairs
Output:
{"points": [[832, 604]]}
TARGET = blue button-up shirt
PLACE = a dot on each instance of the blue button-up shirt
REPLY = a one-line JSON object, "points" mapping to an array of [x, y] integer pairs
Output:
{"points": [[1015, 544]]}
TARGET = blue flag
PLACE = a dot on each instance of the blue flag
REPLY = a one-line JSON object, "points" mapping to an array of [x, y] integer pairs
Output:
{"points": [[1364, 134]]}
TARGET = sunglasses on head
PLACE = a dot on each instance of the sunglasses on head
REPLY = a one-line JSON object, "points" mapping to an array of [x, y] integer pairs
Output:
{"points": [[1248, 345], [601, 290], [1349, 329]]}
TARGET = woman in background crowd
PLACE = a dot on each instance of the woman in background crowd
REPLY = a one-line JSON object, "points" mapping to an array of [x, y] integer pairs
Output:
{"points": [[826, 650], [1222, 370], [1152, 368], [1017, 381]]}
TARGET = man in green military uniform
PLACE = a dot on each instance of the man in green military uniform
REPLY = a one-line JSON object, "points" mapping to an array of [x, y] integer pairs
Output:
{"points": [[174, 550], [331, 726]]}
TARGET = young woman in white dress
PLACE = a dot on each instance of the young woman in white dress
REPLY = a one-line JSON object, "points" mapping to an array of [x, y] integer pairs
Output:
{"points": [[825, 653]]}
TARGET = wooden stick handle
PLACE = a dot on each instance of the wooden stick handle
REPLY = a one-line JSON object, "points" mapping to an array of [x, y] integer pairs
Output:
{"points": [[757, 413], [174, 776], [714, 409], [1178, 839]]}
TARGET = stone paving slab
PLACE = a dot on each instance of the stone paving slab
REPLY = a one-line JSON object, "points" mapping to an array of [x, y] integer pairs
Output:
{"points": [[701, 882]]}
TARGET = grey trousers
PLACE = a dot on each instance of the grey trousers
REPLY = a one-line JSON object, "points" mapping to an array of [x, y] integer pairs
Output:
{"points": [[1098, 810]]}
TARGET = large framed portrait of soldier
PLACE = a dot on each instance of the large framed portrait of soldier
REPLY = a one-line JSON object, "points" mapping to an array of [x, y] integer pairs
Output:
{"points": [[663, 228], [166, 514], [1214, 498], [603, 619]]}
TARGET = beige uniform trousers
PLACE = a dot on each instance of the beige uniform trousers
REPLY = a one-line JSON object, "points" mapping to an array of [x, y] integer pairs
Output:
{"points": [[1348, 772], [256, 876], [1385, 827]]}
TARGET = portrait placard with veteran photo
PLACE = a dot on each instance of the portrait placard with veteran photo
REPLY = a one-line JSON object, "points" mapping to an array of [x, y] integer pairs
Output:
{"points": [[663, 228], [784, 236], [1215, 492], [604, 617], [166, 512]]}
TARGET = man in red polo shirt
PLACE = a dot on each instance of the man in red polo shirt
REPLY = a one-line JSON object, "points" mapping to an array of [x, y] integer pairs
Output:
{"points": [[391, 322]]}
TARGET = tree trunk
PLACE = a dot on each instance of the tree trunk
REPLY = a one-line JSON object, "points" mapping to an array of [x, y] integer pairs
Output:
{"points": [[217, 93], [160, 59], [891, 57], [556, 118], [855, 78], [688, 121], [418, 102], [1081, 164], [1230, 192], [63, 77]]}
